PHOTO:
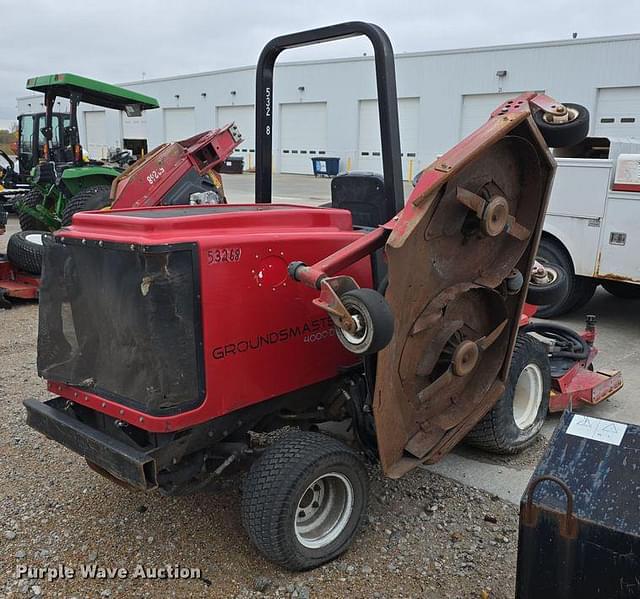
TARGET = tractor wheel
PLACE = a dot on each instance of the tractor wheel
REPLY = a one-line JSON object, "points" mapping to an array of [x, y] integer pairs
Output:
{"points": [[304, 500], [622, 289], [516, 419], [550, 291], [25, 250], [374, 321], [561, 135], [28, 222], [91, 198]]}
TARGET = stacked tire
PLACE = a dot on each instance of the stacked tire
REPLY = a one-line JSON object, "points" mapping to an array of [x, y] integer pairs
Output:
{"points": [[26, 249]]}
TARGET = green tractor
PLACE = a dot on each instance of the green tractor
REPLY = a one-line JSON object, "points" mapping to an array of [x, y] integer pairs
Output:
{"points": [[49, 146]]}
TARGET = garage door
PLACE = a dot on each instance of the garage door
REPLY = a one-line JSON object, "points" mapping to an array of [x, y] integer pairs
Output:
{"points": [[179, 123], [244, 118], [303, 135], [618, 112], [95, 127], [477, 108], [369, 148]]}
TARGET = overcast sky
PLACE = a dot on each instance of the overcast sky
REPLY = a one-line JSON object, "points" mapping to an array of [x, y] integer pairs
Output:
{"points": [[118, 41]]}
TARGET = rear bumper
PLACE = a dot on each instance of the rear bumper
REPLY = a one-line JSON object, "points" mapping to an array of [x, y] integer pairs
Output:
{"points": [[123, 462]]}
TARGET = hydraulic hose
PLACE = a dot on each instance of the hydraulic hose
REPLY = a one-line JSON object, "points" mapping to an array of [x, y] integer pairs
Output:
{"points": [[571, 343]]}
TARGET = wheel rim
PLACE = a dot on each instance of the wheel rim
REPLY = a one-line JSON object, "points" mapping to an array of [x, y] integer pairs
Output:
{"points": [[527, 396], [34, 238], [360, 334], [324, 510]]}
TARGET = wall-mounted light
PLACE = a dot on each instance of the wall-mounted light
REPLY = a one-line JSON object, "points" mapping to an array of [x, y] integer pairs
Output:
{"points": [[177, 96], [204, 94], [300, 88], [233, 92], [501, 74]]}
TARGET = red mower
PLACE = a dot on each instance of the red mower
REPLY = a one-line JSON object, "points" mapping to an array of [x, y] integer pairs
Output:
{"points": [[176, 173], [172, 336]]}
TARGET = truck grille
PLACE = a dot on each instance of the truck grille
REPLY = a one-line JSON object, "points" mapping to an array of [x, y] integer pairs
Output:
{"points": [[123, 321]]}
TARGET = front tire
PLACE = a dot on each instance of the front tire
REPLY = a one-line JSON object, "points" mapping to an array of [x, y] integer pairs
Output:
{"points": [[516, 419], [304, 500], [91, 198]]}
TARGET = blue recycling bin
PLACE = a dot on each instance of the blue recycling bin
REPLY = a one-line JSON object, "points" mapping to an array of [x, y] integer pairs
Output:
{"points": [[325, 166]]}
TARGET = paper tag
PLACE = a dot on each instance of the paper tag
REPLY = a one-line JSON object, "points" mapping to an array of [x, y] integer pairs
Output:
{"points": [[596, 429]]}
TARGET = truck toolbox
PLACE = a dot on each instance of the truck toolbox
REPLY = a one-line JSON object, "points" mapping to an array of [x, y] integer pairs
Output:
{"points": [[125, 463]]}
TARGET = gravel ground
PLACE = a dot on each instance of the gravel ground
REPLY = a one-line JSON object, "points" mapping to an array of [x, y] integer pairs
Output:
{"points": [[426, 536]]}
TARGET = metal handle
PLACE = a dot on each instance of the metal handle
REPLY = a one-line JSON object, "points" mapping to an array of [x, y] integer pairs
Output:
{"points": [[387, 105], [530, 516]]}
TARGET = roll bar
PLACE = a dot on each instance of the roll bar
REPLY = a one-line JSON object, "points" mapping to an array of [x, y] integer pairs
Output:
{"points": [[387, 105]]}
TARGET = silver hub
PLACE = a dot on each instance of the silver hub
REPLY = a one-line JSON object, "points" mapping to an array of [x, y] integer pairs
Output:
{"points": [[34, 238], [359, 334], [324, 510], [527, 396]]}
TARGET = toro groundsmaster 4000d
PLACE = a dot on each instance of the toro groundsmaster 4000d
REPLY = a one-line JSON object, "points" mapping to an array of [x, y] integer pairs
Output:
{"points": [[171, 335]]}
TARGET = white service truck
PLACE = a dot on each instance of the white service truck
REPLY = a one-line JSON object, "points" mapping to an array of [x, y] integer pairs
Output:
{"points": [[592, 227]]}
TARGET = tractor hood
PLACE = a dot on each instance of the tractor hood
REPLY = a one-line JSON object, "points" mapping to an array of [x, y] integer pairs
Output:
{"points": [[474, 216]]}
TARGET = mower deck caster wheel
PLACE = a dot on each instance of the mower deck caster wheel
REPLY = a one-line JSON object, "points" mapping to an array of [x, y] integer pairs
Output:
{"points": [[304, 500], [563, 134], [373, 318], [550, 288]]}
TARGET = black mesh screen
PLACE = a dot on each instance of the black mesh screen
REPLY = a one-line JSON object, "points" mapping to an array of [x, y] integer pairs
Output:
{"points": [[123, 323]]}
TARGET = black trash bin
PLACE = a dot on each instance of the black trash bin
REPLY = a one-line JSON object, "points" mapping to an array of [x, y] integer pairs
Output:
{"points": [[325, 166], [233, 165]]}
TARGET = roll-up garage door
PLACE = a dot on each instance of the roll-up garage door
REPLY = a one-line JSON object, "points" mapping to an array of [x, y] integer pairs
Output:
{"points": [[618, 112], [95, 127], [303, 135], [369, 147], [179, 123], [244, 118]]}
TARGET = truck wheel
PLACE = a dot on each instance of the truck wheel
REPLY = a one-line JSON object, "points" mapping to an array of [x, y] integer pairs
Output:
{"points": [[622, 289], [561, 135], [91, 198], [549, 290], [374, 321], [304, 500], [25, 250], [579, 289], [516, 419], [28, 222]]}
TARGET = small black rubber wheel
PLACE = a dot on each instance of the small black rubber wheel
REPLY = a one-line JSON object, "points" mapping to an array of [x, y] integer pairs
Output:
{"points": [[28, 222], [516, 419], [374, 320], [561, 135], [25, 250], [579, 290], [622, 289], [550, 291], [304, 500], [91, 198]]}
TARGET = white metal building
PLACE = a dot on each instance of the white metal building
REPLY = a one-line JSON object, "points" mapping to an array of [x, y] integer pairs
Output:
{"points": [[328, 107]]}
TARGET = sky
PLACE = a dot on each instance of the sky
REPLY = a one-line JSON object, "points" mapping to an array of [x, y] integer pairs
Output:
{"points": [[120, 41]]}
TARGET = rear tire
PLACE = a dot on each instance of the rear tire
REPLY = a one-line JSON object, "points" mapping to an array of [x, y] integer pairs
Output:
{"points": [[304, 500], [579, 289], [27, 222], [25, 250], [622, 289], [516, 419], [91, 198]]}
